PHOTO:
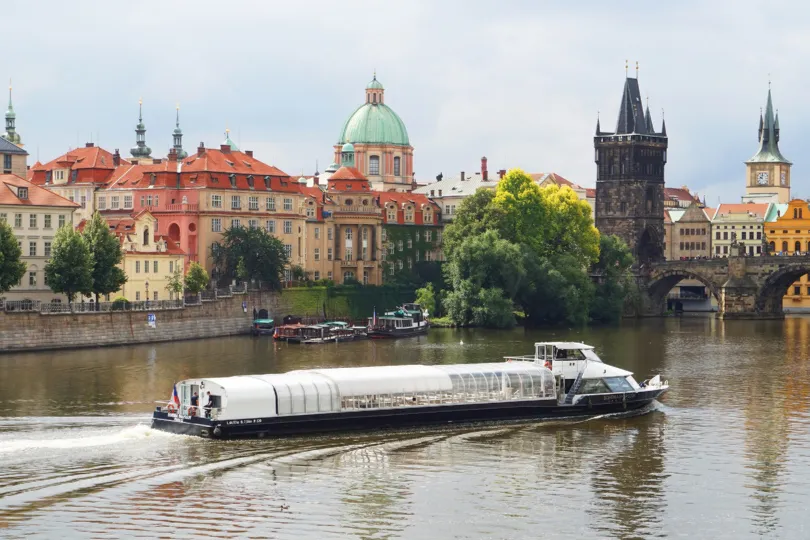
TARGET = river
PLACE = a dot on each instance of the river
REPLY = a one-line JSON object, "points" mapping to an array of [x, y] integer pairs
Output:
{"points": [[726, 454]]}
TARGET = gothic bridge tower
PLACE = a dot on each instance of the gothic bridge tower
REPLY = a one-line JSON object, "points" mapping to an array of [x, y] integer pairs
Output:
{"points": [[630, 177]]}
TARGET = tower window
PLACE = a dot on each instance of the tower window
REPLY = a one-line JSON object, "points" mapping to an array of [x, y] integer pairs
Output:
{"points": [[374, 165], [397, 166]]}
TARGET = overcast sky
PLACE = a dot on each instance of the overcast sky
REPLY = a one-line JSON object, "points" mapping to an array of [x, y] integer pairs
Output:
{"points": [[518, 81]]}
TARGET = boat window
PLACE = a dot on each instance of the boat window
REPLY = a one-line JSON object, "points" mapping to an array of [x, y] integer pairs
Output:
{"points": [[619, 384], [570, 354], [594, 386]]}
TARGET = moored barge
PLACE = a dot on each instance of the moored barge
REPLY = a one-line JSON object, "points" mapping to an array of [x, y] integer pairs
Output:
{"points": [[560, 379]]}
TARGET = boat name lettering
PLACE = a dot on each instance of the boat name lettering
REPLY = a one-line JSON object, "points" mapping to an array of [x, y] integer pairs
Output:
{"points": [[241, 422]]}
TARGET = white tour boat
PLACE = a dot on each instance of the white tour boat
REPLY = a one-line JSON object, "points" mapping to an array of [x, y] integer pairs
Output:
{"points": [[560, 379]]}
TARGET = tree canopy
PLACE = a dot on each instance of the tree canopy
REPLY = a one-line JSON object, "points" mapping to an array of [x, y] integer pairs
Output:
{"points": [[70, 269], [12, 268], [528, 248], [250, 254], [196, 278], [105, 250]]}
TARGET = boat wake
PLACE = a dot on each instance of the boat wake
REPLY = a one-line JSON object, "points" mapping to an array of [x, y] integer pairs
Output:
{"points": [[125, 435]]}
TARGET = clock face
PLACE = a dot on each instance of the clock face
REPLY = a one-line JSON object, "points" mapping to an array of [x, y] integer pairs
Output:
{"points": [[784, 178], [762, 178]]}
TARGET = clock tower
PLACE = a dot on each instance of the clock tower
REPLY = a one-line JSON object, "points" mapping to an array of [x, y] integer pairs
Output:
{"points": [[768, 172]]}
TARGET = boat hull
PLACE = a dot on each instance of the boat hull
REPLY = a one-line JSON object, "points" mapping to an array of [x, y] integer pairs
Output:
{"points": [[403, 417], [399, 332]]}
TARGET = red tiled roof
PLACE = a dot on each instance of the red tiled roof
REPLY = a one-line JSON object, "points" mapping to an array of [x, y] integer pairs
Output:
{"points": [[758, 209], [348, 173], [682, 194], [709, 212], [556, 178], [93, 157], [590, 193], [123, 227], [37, 196], [213, 169]]}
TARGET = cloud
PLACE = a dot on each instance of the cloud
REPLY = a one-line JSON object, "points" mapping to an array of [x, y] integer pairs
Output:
{"points": [[520, 82]]}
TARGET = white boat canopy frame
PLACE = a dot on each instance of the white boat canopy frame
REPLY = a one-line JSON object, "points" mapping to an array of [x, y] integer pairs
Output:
{"points": [[344, 389]]}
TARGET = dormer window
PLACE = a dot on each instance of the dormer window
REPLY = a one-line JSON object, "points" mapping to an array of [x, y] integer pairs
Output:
{"points": [[232, 178], [250, 181], [152, 179], [267, 182], [22, 193]]}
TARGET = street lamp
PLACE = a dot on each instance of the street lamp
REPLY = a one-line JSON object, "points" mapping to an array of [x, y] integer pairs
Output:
{"points": [[146, 284]]}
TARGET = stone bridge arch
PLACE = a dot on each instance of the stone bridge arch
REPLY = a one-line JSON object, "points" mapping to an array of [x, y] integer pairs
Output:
{"points": [[663, 280], [772, 291]]}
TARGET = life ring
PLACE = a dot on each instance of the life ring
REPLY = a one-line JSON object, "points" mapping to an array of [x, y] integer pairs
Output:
{"points": [[171, 408], [547, 364], [192, 411]]}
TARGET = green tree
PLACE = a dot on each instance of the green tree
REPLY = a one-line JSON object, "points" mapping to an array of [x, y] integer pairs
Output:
{"points": [[70, 269], [12, 268], [250, 254], [475, 215], [175, 284], [426, 297], [196, 278], [105, 249], [615, 288]]}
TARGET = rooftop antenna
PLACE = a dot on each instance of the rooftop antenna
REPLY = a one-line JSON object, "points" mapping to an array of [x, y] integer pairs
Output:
{"points": [[636, 69]]}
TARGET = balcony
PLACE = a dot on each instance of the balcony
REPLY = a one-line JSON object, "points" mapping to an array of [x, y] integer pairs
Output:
{"points": [[358, 210], [182, 207]]}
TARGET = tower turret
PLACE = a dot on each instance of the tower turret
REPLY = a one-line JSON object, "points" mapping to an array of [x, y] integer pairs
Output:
{"points": [[177, 137], [768, 173], [140, 150], [11, 134]]}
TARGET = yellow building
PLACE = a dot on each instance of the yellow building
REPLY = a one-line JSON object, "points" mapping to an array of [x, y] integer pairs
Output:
{"points": [[149, 260], [789, 235]]}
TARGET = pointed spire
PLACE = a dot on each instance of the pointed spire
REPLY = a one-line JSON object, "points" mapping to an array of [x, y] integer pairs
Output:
{"points": [[177, 136], [598, 128], [648, 118], [11, 134], [140, 150], [228, 140], [663, 124], [769, 136]]}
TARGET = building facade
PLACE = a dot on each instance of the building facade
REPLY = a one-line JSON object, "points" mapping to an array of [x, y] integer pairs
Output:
{"points": [[77, 175], [787, 235], [741, 223], [768, 172], [691, 234], [35, 214], [630, 165], [411, 233], [383, 152]]}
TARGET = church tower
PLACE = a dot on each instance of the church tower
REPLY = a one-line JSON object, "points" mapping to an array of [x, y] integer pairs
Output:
{"points": [[140, 150], [630, 177], [768, 172]]}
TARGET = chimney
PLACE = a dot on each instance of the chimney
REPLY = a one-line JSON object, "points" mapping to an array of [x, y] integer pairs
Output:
{"points": [[89, 145], [201, 150], [249, 153], [501, 173], [225, 148], [462, 176], [116, 158], [484, 172], [172, 155]]}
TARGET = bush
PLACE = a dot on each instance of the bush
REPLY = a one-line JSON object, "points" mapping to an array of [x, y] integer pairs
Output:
{"points": [[120, 304]]}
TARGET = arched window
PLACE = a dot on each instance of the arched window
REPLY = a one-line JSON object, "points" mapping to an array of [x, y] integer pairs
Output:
{"points": [[772, 246], [396, 166], [348, 275], [374, 99], [374, 166], [146, 236], [800, 213], [797, 246], [795, 213], [784, 245]]}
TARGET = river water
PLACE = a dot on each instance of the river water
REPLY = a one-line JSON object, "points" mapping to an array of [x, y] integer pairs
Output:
{"points": [[726, 454]]}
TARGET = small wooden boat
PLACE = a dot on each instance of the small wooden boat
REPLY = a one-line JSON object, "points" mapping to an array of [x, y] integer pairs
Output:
{"points": [[406, 321], [263, 327], [287, 331]]}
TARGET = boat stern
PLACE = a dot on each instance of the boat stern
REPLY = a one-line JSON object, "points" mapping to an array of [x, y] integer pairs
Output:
{"points": [[170, 422]]}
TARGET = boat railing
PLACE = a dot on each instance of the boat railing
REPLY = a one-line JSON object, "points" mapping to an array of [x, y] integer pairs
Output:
{"points": [[524, 358]]}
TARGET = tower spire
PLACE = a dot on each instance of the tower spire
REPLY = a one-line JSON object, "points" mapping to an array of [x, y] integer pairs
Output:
{"points": [[11, 134], [177, 136], [769, 136], [140, 150]]}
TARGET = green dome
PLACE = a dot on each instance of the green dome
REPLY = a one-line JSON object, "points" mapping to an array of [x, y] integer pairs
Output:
{"points": [[374, 123], [348, 147], [374, 84]]}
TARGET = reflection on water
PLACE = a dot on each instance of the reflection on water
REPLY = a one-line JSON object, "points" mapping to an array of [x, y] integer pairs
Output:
{"points": [[725, 455]]}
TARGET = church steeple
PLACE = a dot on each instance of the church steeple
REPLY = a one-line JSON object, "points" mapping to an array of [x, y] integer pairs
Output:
{"points": [[768, 171], [11, 134], [177, 137], [768, 136], [140, 150]]}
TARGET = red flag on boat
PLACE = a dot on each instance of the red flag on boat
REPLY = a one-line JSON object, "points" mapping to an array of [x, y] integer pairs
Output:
{"points": [[175, 398]]}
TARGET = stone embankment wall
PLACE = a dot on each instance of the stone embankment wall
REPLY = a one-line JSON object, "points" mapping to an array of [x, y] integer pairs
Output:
{"points": [[20, 331]]}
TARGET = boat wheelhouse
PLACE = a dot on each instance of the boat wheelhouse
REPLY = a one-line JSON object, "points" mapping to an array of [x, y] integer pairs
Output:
{"points": [[288, 331], [408, 320], [263, 327], [560, 379]]}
